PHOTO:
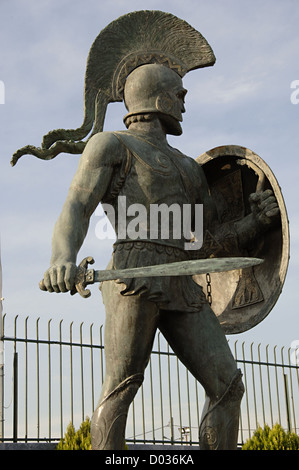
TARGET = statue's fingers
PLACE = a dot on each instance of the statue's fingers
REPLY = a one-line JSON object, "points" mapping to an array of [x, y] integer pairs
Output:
{"points": [[266, 194], [53, 278], [273, 212], [47, 282], [269, 201], [254, 197], [60, 279], [70, 275], [271, 206]]}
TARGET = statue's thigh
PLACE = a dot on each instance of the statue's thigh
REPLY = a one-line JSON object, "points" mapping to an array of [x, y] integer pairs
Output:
{"points": [[130, 327], [199, 342]]}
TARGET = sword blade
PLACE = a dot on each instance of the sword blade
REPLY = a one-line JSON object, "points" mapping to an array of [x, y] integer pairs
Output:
{"points": [[179, 268]]}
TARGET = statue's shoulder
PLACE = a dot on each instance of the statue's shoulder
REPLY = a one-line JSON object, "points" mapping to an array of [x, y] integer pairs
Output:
{"points": [[130, 140], [103, 141], [103, 149]]}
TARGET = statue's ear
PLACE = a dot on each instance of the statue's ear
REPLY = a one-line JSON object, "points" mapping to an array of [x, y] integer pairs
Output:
{"points": [[164, 102]]}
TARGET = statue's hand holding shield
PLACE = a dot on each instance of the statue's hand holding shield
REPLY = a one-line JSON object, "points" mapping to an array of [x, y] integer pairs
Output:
{"points": [[264, 208]]}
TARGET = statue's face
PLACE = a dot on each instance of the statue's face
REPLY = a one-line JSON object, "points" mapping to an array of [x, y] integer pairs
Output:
{"points": [[172, 119], [157, 89]]}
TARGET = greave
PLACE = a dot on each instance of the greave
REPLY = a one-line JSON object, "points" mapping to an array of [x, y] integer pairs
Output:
{"points": [[220, 423], [108, 422]]}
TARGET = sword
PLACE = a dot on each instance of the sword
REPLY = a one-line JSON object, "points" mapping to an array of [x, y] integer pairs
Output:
{"points": [[85, 276]]}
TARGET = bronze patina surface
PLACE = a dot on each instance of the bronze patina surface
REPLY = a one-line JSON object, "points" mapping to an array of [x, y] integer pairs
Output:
{"points": [[141, 59]]}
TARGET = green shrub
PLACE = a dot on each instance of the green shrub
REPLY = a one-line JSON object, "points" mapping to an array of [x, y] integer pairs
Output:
{"points": [[272, 439], [76, 440]]}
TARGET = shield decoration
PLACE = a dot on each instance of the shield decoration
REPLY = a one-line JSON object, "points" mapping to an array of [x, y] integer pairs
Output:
{"points": [[243, 298]]}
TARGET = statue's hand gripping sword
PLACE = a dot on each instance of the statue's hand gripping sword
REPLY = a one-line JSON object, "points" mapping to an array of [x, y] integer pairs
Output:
{"points": [[87, 276]]}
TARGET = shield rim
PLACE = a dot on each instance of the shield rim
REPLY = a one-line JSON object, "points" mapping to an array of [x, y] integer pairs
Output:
{"points": [[247, 154]]}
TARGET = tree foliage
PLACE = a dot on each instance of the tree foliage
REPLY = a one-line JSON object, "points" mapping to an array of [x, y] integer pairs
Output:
{"points": [[272, 439], [76, 440]]}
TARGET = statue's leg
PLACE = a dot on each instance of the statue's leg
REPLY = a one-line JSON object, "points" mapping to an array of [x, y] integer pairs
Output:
{"points": [[201, 345], [130, 328], [220, 418]]}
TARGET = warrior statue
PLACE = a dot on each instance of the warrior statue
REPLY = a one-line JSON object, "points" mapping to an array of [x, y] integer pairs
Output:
{"points": [[141, 59]]}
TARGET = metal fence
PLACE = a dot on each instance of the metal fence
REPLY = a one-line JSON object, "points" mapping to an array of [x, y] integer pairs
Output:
{"points": [[53, 372]]}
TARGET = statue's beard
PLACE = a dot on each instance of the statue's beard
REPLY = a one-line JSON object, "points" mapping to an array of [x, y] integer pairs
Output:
{"points": [[171, 125]]}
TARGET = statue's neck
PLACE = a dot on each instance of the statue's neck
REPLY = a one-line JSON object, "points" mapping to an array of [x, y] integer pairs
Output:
{"points": [[152, 130]]}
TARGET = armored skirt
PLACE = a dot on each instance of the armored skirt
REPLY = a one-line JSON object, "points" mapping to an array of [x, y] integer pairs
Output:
{"points": [[179, 293]]}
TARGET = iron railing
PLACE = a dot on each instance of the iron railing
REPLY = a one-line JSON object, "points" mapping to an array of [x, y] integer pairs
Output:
{"points": [[53, 373]]}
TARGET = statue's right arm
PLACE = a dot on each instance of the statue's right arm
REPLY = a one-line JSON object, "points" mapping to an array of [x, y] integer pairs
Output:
{"points": [[87, 189]]}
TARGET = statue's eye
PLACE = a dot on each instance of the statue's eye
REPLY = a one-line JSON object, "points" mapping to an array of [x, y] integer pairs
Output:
{"points": [[181, 95]]}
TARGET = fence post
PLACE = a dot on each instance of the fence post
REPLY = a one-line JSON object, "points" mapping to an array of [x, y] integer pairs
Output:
{"points": [[286, 391], [1, 374], [1, 342], [15, 397], [171, 430]]}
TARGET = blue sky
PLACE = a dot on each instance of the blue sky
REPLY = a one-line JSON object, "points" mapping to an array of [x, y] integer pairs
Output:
{"points": [[244, 99]]}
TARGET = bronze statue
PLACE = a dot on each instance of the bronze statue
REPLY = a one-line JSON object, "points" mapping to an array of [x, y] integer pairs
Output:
{"points": [[141, 59]]}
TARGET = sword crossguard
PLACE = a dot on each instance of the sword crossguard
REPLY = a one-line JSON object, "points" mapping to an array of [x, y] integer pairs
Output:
{"points": [[84, 276]]}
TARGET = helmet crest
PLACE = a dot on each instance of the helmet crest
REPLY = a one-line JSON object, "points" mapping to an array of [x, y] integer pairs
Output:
{"points": [[135, 39]]}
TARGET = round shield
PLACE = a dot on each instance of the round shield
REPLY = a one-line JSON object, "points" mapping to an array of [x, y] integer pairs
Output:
{"points": [[243, 298]]}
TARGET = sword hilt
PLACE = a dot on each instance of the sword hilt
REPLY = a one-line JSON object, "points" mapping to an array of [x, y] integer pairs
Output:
{"points": [[83, 277]]}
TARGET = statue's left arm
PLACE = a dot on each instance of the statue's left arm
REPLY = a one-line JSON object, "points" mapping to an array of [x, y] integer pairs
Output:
{"points": [[231, 238]]}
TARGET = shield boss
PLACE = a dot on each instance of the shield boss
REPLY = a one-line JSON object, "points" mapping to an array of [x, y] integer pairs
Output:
{"points": [[243, 298]]}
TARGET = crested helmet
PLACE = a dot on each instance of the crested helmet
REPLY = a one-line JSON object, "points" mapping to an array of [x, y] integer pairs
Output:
{"points": [[154, 88], [166, 45]]}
